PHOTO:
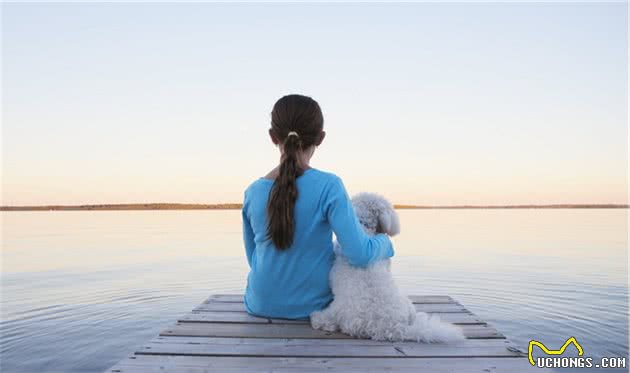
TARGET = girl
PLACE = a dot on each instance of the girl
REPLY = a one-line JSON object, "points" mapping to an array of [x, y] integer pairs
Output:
{"points": [[289, 217]]}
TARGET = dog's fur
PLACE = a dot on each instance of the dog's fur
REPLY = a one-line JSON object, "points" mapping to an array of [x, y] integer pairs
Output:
{"points": [[367, 302]]}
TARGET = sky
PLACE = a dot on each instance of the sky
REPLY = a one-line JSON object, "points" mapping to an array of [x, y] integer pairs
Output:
{"points": [[425, 103]]}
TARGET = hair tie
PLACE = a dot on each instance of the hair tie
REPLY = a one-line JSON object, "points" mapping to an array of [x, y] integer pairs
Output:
{"points": [[293, 133]]}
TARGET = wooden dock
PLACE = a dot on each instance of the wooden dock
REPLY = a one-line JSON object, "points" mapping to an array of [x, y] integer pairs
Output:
{"points": [[220, 336]]}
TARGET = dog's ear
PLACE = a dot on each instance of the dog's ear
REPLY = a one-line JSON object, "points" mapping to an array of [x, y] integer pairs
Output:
{"points": [[388, 222]]}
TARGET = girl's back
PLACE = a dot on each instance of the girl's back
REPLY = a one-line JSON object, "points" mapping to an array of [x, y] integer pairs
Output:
{"points": [[293, 282]]}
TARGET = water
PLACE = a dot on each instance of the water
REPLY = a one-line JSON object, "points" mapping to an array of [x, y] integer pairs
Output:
{"points": [[80, 290]]}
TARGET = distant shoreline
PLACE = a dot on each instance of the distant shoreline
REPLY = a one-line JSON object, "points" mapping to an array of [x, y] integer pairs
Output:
{"points": [[237, 206]]}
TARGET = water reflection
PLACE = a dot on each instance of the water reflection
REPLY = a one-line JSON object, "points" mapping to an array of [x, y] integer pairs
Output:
{"points": [[82, 289]]}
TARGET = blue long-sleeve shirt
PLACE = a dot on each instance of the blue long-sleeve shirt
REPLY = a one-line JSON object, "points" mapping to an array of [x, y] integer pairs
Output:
{"points": [[293, 283]]}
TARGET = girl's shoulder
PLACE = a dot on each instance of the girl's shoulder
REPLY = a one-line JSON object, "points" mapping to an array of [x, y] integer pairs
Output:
{"points": [[262, 184], [322, 177], [256, 185], [323, 174], [325, 181]]}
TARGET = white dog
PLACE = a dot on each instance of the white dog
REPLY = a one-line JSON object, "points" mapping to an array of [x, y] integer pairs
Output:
{"points": [[367, 303]]}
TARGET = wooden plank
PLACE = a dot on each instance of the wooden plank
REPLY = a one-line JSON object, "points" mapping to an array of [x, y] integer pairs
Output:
{"points": [[316, 341], [195, 329], [202, 364], [221, 336], [243, 317], [238, 298], [321, 348], [232, 317], [417, 350], [240, 307], [431, 299]]}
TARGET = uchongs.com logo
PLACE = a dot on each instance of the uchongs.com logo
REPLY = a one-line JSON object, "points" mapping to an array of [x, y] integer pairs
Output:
{"points": [[554, 358]]}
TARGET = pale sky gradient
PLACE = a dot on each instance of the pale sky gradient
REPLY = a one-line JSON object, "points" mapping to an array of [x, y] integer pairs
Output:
{"points": [[488, 103]]}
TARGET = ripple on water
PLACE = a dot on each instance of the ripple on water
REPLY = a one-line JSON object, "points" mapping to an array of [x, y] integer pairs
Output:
{"points": [[90, 314]]}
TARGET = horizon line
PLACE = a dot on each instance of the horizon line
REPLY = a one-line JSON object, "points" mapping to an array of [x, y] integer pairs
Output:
{"points": [[235, 206]]}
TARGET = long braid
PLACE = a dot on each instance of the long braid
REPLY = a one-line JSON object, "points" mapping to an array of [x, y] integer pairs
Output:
{"points": [[297, 124], [284, 193]]}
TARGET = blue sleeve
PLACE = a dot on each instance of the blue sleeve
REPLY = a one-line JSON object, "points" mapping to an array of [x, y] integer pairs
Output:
{"points": [[357, 246], [248, 233]]}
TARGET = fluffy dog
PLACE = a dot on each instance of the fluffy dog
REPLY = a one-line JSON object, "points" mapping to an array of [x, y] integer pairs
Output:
{"points": [[367, 303]]}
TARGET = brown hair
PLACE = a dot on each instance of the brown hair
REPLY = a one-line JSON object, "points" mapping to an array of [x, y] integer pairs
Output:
{"points": [[302, 115]]}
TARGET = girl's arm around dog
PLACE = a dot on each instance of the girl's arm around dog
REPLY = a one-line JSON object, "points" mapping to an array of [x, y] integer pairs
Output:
{"points": [[357, 246]]}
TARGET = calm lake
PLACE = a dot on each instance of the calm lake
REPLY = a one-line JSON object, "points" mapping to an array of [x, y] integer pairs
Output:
{"points": [[82, 289]]}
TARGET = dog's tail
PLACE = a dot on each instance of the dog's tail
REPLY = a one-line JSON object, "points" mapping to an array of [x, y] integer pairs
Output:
{"points": [[430, 328]]}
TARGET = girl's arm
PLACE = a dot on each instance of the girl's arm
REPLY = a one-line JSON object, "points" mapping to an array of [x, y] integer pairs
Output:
{"points": [[357, 246], [248, 233]]}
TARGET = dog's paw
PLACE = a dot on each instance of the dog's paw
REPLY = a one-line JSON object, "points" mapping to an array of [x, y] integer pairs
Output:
{"points": [[322, 320]]}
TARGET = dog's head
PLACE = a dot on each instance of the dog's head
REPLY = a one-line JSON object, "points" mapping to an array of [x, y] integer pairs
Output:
{"points": [[376, 214]]}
